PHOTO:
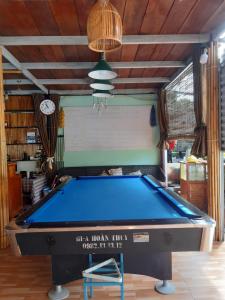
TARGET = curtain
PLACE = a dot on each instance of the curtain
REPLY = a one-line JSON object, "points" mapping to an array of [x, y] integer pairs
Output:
{"points": [[162, 120], [48, 129], [180, 106], [199, 147]]}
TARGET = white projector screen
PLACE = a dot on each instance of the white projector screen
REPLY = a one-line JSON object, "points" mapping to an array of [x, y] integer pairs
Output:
{"points": [[116, 128]]}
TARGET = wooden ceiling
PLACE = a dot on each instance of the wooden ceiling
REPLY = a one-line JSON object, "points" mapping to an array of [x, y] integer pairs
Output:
{"points": [[140, 17]]}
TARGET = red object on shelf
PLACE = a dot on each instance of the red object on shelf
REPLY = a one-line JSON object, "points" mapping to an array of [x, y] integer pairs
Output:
{"points": [[172, 144]]}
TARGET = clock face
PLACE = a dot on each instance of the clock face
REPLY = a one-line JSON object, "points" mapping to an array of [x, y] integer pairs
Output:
{"points": [[47, 107]]}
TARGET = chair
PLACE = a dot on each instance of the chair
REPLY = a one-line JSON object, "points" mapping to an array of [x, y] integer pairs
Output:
{"points": [[106, 273]]}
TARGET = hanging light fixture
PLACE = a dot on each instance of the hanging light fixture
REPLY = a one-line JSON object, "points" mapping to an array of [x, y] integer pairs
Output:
{"points": [[104, 27], [100, 98], [102, 70], [105, 85], [102, 94]]}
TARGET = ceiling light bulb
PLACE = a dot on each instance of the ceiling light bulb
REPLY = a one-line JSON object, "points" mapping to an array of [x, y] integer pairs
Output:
{"points": [[204, 57]]}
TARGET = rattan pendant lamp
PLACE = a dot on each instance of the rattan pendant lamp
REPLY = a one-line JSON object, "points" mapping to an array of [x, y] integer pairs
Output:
{"points": [[104, 27]]}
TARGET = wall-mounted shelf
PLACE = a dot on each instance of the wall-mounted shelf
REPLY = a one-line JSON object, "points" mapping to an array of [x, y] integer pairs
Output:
{"points": [[22, 144], [16, 127], [21, 127], [19, 111]]}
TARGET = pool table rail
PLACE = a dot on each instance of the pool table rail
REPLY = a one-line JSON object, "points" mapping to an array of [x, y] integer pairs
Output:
{"points": [[205, 244]]}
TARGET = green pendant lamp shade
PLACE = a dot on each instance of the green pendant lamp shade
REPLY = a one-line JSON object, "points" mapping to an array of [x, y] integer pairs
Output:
{"points": [[102, 94], [105, 85], [102, 70]]}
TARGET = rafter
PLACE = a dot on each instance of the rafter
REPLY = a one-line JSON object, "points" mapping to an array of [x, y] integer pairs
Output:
{"points": [[90, 65], [127, 39], [85, 92], [86, 81], [18, 66]]}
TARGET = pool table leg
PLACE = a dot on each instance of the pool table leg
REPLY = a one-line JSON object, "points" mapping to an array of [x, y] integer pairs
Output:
{"points": [[58, 293], [165, 287]]}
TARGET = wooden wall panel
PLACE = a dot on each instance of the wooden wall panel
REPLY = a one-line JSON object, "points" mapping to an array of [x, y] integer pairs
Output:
{"points": [[15, 119], [19, 103]]}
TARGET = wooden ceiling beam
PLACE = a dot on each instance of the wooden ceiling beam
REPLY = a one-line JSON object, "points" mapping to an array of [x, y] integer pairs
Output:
{"points": [[86, 81], [7, 55], [141, 80], [85, 92], [127, 40], [90, 65]]}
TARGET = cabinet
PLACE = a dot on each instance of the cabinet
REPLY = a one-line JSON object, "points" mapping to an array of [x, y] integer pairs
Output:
{"points": [[193, 183], [14, 191]]}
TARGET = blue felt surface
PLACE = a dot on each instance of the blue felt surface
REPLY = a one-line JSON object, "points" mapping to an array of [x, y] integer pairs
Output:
{"points": [[106, 199]]}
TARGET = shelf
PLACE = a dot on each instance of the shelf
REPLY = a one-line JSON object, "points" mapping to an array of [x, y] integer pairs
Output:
{"points": [[19, 144], [15, 127], [20, 111]]}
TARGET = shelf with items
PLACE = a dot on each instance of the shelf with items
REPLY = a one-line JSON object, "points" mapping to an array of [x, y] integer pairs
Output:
{"points": [[12, 127], [23, 144], [22, 136], [19, 111], [22, 133], [16, 152], [193, 183]]}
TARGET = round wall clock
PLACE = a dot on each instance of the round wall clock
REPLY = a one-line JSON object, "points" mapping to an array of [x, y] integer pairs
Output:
{"points": [[47, 107]]}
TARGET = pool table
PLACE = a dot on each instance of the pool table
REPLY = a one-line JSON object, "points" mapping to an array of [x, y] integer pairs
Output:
{"points": [[108, 215]]}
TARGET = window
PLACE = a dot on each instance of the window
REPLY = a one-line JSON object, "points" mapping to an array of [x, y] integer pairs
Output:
{"points": [[182, 150]]}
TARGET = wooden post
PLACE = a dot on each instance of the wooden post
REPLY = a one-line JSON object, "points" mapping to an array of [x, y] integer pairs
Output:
{"points": [[4, 204], [214, 201]]}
